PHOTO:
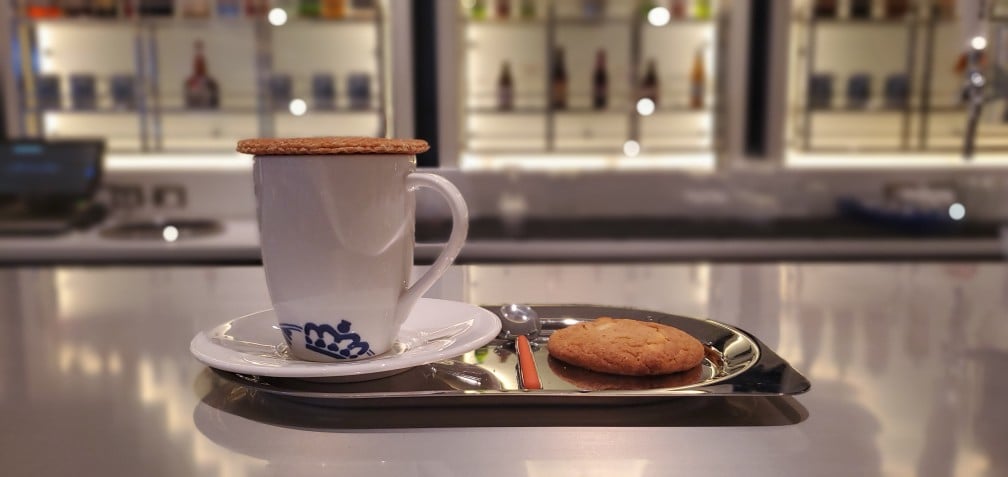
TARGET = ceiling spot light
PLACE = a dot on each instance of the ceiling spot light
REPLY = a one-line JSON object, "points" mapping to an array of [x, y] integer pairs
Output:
{"points": [[957, 211], [170, 233], [631, 148], [277, 17], [298, 107], [658, 16], [645, 107]]}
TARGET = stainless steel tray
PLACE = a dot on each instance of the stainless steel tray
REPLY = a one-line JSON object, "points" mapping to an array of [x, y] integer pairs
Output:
{"points": [[736, 364]]}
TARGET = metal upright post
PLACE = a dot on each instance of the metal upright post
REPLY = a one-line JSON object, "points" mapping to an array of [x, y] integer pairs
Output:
{"points": [[143, 82], [31, 111], [636, 40], [380, 66], [550, 52], [13, 107], [810, 46], [911, 55], [264, 70], [156, 135], [925, 93]]}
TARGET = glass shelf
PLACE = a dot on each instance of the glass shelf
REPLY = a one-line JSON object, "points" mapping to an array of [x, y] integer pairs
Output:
{"points": [[861, 22], [179, 18], [498, 22], [329, 112], [864, 111], [84, 111], [208, 111]]}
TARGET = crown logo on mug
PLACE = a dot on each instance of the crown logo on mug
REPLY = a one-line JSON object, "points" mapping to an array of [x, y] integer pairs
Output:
{"points": [[337, 342]]}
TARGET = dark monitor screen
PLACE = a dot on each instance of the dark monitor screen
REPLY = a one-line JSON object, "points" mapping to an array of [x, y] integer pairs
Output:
{"points": [[50, 169]]}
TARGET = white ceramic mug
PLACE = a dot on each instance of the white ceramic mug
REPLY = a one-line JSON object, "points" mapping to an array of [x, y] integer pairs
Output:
{"points": [[337, 237]]}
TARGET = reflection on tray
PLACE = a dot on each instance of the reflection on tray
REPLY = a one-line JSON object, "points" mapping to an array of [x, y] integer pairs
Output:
{"points": [[588, 380], [446, 375], [228, 405]]}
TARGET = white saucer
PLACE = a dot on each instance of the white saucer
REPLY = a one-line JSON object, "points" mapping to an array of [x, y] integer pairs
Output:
{"points": [[433, 331]]}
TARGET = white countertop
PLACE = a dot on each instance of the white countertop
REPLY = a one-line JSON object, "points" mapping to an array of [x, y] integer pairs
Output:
{"points": [[238, 242], [906, 362]]}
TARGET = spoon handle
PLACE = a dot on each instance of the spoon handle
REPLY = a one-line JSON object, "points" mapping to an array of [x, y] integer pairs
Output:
{"points": [[527, 373]]}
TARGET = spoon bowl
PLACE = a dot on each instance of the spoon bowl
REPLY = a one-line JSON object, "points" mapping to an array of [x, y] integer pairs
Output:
{"points": [[519, 320]]}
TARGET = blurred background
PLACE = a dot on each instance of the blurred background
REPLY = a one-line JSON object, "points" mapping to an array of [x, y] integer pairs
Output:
{"points": [[576, 129]]}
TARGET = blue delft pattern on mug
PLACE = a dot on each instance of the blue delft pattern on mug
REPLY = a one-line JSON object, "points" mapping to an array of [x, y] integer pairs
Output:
{"points": [[336, 342]]}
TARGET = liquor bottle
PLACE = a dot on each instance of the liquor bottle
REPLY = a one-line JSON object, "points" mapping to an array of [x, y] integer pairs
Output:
{"points": [[256, 8], [824, 9], [527, 10], [644, 7], [104, 8], [698, 81], [195, 8], [702, 9], [558, 81], [478, 10], [502, 9], [861, 9], [156, 8], [896, 8], [200, 89], [944, 9], [43, 9], [334, 9], [649, 83], [679, 9], [505, 88], [600, 82], [310, 8], [76, 8]]}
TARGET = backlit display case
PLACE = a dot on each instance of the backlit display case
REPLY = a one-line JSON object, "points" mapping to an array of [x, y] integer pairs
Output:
{"points": [[195, 75], [589, 83], [892, 81]]}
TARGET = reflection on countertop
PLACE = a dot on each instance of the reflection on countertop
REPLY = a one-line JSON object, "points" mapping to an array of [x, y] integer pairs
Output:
{"points": [[491, 239], [905, 359], [685, 228]]}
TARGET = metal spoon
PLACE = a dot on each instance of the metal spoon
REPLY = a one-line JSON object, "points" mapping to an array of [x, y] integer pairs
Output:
{"points": [[518, 322]]}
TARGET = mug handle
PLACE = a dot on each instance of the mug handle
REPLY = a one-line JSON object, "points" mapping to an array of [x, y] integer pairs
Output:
{"points": [[460, 229]]}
